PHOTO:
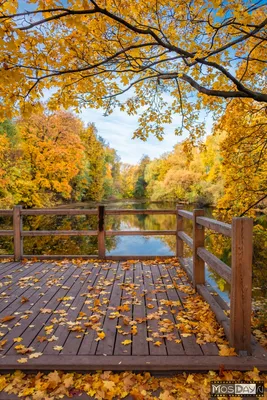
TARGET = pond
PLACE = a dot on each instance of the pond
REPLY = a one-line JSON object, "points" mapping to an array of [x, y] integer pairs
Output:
{"points": [[126, 245]]}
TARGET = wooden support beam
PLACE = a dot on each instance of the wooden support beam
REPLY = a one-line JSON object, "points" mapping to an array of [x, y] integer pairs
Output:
{"points": [[186, 238], [59, 233], [215, 263], [217, 226], [179, 228], [58, 211], [101, 232], [241, 284], [17, 227], [186, 214], [198, 241]]}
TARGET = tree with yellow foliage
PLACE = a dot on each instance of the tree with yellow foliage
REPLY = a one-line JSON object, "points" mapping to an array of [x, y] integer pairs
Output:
{"points": [[92, 51]]}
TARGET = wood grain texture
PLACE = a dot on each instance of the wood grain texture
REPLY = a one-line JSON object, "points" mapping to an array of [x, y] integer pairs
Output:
{"points": [[215, 263], [186, 238], [241, 284], [17, 227], [198, 241], [217, 226], [59, 233]]}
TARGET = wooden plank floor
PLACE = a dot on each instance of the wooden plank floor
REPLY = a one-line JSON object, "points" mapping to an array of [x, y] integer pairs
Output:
{"points": [[85, 316]]}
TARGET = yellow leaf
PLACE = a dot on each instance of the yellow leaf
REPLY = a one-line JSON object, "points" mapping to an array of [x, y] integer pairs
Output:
{"points": [[109, 385], [190, 379], [35, 355], [58, 348], [18, 339], [226, 351], [125, 342], [158, 343], [22, 360]]}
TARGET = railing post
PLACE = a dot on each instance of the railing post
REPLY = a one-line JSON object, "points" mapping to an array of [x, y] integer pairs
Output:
{"points": [[179, 227], [241, 284], [198, 241], [17, 228], [101, 232]]}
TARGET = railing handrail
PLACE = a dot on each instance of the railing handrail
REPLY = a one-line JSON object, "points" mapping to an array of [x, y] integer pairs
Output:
{"points": [[239, 275], [238, 326]]}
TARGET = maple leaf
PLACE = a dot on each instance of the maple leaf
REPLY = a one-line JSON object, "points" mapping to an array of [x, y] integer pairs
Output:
{"points": [[53, 379], [2, 343], [226, 351], [24, 300], [190, 379], [22, 360], [158, 343], [41, 339], [18, 339], [58, 348], [166, 396], [108, 385], [35, 355], [101, 336], [126, 342]]}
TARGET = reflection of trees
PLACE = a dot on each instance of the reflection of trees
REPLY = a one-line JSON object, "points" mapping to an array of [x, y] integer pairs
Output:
{"points": [[75, 245], [6, 242]]}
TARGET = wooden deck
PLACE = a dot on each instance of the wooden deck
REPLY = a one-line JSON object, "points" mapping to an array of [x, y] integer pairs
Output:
{"points": [[60, 310]]}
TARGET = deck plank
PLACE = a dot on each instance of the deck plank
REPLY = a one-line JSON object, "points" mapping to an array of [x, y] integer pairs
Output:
{"points": [[89, 343], [189, 343], [123, 321], [152, 324], [106, 347], [140, 345], [163, 276]]}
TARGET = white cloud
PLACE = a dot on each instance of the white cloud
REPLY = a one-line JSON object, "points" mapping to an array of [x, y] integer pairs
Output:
{"points": [[117, 129]]}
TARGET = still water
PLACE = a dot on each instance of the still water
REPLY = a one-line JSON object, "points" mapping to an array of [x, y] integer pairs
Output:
{"points": [[124, 245]]}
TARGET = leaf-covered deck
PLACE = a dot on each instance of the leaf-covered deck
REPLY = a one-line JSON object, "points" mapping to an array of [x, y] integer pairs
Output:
{"points": [[129, 315]]}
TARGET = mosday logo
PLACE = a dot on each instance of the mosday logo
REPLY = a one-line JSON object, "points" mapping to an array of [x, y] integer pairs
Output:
{"points": [[232, 389]]}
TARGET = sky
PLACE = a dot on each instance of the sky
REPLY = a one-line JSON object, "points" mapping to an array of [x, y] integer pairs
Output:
{"points": [[118, 128]]}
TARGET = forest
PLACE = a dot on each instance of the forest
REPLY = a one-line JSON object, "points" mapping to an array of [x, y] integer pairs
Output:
{"points": [[50, 159]]}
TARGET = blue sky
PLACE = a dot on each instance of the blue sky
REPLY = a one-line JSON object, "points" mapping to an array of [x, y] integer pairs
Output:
{"points": [[117, 129]]}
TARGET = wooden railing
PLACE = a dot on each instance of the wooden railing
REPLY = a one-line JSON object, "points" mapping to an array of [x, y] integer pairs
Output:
{"points": [[237, 327]]}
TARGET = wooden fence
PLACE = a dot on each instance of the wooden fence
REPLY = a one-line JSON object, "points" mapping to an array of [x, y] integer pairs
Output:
{"points": [[238, 326]]}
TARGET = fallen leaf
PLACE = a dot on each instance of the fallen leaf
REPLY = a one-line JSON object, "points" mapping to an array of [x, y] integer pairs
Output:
{"points": [[18, 339], [7, 318], [24, 300], [35, 355], [2, 343], [22, 360], [125, 342], [58, 348]]}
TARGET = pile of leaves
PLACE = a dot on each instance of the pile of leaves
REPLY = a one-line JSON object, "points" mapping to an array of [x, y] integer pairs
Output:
{"points": [[108, 385]]}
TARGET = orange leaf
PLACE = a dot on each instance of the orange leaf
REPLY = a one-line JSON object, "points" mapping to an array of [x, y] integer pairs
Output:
{"points": [[24, 300], [7, 318]]}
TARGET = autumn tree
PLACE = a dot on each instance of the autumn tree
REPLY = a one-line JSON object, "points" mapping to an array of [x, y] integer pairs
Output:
{"points": [[91, 51], [93, 176], [244, 158]]}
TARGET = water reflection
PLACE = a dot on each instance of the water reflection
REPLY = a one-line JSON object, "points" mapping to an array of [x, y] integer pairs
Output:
{"points": [[126, 245]]}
